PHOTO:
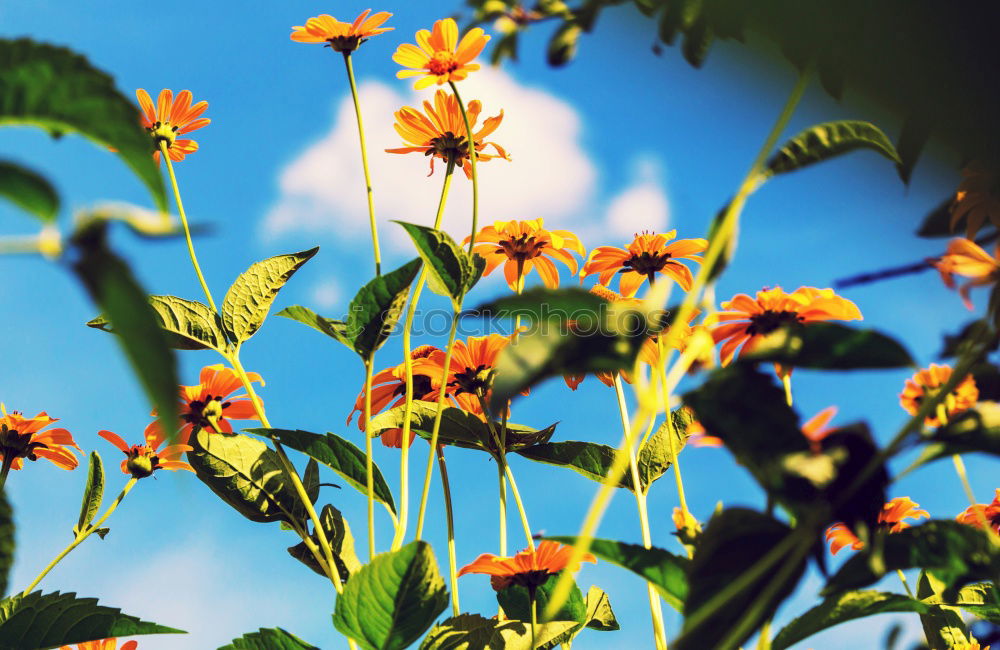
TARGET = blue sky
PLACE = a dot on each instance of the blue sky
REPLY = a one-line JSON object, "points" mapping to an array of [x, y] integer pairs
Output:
{"points": [[619, 141]]}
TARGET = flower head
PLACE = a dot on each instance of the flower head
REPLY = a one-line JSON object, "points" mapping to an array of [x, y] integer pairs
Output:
{"points": [[470, 374], [342, 37], [170, 118], [439, 57], [977, 514], [647, 256], [977, 199], [966, 258], [439, 131], [926, 382], [211, 404], [890, 518], [22, 437], [142, 460], [524, 245], [104, 644], [529, 568], [745, 320]]}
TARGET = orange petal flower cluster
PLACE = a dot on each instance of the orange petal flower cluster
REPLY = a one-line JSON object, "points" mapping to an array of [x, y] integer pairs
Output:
{"points": [[104, 644], [471, 371], [342, 37], [439, 131], [22, 437], [745, 320], [966, 258], [170, 118], [977, 514], [211, 404], [647, 256], [529, 568], [439, 57], [926, 381], [524, 245], [891, 517], [977, 199], [142, 460]]}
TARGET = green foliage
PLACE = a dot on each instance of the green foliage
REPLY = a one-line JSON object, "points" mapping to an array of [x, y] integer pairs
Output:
{"points": [[392, 600], [943, 625], [828, 140], [474, 632], [542, 303], [600, 616], [978, 599], [51, 620], [338, 454], [187, 324], [655, 456], [937, 223], [516, 603], [830, 346], [249, 298], [662, 569], [29, 191], [7, 541], [273, 638], [338, 533], [451, 271], [93, 494], [58, 90], [975, 430], [335, 329], [585, 458]]}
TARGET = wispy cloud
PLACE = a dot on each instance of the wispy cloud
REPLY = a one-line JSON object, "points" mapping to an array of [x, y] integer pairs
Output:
{"points": [[643, 205]]}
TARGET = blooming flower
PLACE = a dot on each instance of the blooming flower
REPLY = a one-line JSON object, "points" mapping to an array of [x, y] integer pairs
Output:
{"points": [[966, 258], [745, 320], [342, 37], [142, 460], [647, 256], [924, 383], [105, 644], [22, 437], [440, 56], [977, 514], [439, 132], [523, 245], [890, 518], [210, 404], [977, 199], [471, 370], [529, 568], [170, 118]]}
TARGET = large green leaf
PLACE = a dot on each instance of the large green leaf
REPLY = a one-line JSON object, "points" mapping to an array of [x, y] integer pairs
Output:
{"points": [[273, 638], [600, 616], [335, 329], [586, 458], [978, 599], [393, 599], [840, 609], [58, 90], [188, 324], [245, 473], [516, 602], [55, 619], [29, 191], [338, 533], [975, 430], [377, 306], [662, 569], [656, 456], [451, 271], [830, 346], [93, 494], [338, 454], [249, 298], [943, 625], [827, 140], [475, 632], [6, 541]]}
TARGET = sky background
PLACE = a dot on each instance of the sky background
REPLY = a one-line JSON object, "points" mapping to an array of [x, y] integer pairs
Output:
{"points": [[620, 141]]}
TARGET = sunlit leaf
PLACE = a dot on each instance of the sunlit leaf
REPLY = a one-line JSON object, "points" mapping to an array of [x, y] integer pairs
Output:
{"points": [[377, 306], [829, 346], [93, 493], [273, 638], [828, 140], [600, 616], [338, 533], [29, 191], [975, 430], [516, 603], [840, 609], [943, 625], [980, 600], [335, 329], [475, 632], [585, 458], [451, 271], [656, 456], [187, 324]]}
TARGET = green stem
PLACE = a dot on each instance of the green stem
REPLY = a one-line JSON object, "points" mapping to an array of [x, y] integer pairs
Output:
{"points": [[671, 443], [8, 460], [786, 380], [906, 585], [534, 615], [473, 157], [520, 505], [364, 162], [82, 535], [503, 506], [450, 518], [369, 463]]}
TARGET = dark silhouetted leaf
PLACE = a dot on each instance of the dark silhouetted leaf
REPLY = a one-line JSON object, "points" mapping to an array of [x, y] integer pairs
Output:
{"points": [[338, 533], [6, 541], [840, 609], [585, 458], [29, 191], [273, 638], [827, 140], [93, 494], [829, 346]]}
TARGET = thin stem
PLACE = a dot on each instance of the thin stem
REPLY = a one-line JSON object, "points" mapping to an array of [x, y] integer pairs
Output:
{"points": [[534, 615], [520, 506], [450, 518], [82, 535], [786, 381], [503, 506], [364, 162], [671, 442], [906, 585], [473, 156], [187, 229], [369, 463], [8, 460], [971, 496]]}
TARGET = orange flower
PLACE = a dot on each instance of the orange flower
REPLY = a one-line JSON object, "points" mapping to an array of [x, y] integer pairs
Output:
{"points": [[142, 460], [647, 255], [528, 568], [342, 37], [106, 644], [975, 515], [441, 132], [523, 245], [170, 118], [210, 405], [924, 383], [22, 437], [440, 56], [977, 199], [747, 321], [471, 371], [890, 518], [968, 259]]}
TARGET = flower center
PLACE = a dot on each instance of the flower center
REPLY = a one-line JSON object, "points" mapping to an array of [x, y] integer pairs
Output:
{"points": [[14, 444], [523, 247], [164, 131], [206, 413], [472, 380], [442, 63], [770, 320], [646, 263], [347, 43], [421, 387], [450, 147], [142, 461]]}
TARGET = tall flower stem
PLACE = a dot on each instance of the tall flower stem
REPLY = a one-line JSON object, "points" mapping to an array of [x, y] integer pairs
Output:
{"points": [[671, 437], [522, 513], [655, 612], [473, 156], [450, 518], [786, 381], [82, 535], [963, 476], [503, 505], [364, 162], [369, 463], [8, 460]]}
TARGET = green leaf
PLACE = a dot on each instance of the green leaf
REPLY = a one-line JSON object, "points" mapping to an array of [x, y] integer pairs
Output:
{"points": [[245, 473], [943, 625], [335, 329], [662, 569], [29, 191], [451, 271], [37, 621], [516, 635], [58, 90], [655, 457], [937, 223], [338, 454], [393, 599], [475, 632], [840, 609], [585, 458], [697, 42], [542, 303], [6, 541], [273, 638], [979, 599], [516, 602], [338, 533], [975, 430], [376, 308], [600, 616], [93, 493], [829, 346], [187, 324], [115, 291], [828, 140], [310, 480], [249, 299]]}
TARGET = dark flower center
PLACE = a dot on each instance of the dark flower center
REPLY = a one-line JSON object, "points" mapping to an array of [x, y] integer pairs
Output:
{"points": [[205, 413], [14, 444], [523, 247], [442, 63], [451, 147], [345, 43], [769, 320], [472, 380], [421, 387], [648, 264]]}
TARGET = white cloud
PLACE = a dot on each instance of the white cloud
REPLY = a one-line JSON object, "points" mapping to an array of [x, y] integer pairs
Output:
{"points": [[641, 206], [326, 294], [550, 175]]}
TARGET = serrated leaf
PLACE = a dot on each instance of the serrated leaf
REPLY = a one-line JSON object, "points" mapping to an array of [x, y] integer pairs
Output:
{"points": [[585, 458], [249, 298], [58, 90], [828, 140], [6, 541], [393, 599], [829, 346], [338, 533], [93, 493], [600, 616], [335, 329], [187, 324], [979, 599], [657, 456], [29, 191], [376, 308], [55, 619], [475, 632], [273, 638], [341, 456], [451, 271]]}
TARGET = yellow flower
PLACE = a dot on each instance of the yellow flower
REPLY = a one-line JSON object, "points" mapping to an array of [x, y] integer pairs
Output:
{"points": [[440, 57], [342, 37], [523, 245]]}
